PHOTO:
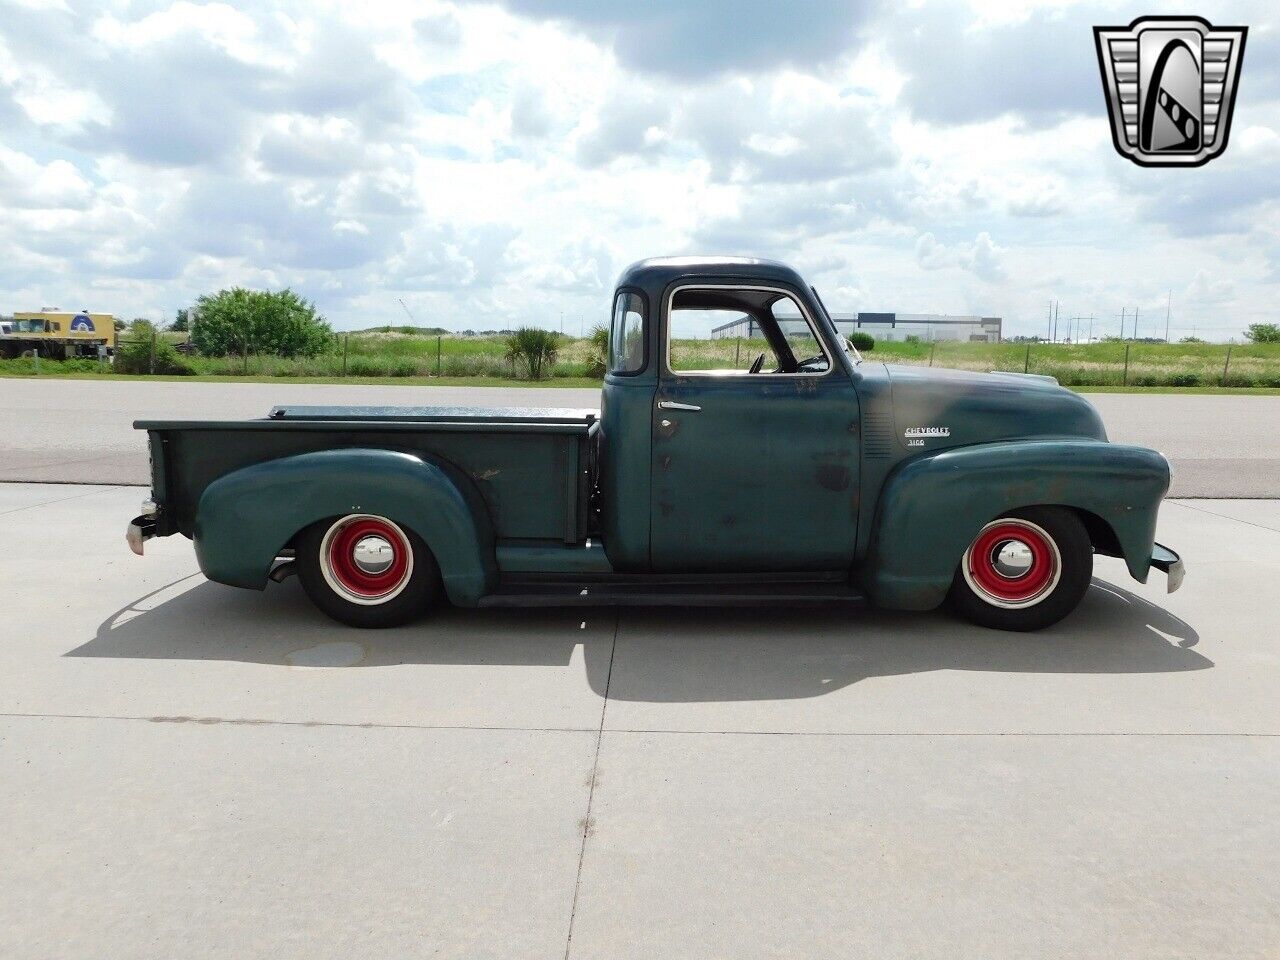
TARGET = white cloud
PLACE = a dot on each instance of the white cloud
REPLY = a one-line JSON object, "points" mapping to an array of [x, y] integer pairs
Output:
{"points": [[500, 163]]}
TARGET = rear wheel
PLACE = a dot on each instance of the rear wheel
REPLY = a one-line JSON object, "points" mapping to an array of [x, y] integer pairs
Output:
{"points": [[367, 571], [1024, 571]]}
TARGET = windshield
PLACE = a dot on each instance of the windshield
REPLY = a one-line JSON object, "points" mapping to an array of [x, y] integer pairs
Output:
{"points": [[848, 344]]}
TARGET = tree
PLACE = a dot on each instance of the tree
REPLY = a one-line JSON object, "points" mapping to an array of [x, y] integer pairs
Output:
{"points": [[1191, 340], [120, 324], [536, 348], [181, 322], [259, 321], [1263, 333]]}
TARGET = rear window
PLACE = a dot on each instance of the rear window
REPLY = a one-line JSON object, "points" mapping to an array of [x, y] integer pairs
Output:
{"points": [[626, 334]]}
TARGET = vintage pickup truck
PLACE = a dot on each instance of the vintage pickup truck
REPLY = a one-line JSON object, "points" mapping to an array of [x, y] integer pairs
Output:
{"points": [[808, 474]]}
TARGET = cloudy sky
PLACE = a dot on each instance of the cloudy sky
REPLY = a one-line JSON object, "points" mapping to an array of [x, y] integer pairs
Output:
{"points": [[500, 163]]}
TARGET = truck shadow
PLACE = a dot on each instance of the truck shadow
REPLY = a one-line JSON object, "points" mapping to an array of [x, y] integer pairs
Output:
{"points": [[659, 655]]}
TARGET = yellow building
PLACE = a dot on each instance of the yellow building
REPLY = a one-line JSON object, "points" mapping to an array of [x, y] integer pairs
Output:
{"points": [[59, 335]]}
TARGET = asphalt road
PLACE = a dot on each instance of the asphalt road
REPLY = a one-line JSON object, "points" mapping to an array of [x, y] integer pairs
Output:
{"points": [[189, 770], [81, 430]]}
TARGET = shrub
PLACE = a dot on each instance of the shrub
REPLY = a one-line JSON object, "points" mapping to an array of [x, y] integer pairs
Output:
{"points": [[597, 360], [863, 342], [265, 322], [135, 356], [534, 348]]}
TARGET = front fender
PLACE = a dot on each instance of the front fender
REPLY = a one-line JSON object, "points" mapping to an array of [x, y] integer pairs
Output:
{"points": [[932, 507], [246, 518]]}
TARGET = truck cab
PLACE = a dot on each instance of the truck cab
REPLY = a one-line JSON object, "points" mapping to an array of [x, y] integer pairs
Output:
{"points": [[770, 465]]}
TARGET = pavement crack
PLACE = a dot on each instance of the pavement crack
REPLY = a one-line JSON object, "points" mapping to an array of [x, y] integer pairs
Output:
{"points": [[586, 823], [1249, 523], [257, 722]]}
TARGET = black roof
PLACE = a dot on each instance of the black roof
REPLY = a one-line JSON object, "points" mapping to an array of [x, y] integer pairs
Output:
{"points": [[657, 272]]}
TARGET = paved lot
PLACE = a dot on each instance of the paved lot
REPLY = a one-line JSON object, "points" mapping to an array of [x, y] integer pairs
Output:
{"points": [[81, 431], [192, 770]]}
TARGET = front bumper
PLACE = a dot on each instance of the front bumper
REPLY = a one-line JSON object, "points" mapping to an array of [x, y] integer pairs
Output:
{"points": [[1162, 558]]}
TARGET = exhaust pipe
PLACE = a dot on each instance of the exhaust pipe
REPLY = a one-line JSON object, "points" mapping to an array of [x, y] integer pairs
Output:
{"points": [[283, 571]]}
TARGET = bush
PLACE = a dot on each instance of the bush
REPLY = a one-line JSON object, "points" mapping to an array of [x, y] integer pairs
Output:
{"points": [[134, 355], [263, 322], [862, 342], [597, 359], [534, 348]]}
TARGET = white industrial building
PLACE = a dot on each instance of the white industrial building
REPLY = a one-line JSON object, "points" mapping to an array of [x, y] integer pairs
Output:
{"points": [[892, 326]]}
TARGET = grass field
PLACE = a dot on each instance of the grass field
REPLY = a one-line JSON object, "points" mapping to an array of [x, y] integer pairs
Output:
{"points": [[377, 356]]}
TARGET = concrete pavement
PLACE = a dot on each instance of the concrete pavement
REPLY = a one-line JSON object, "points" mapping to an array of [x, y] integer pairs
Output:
{"points": [[81, 430], [192, 770]]}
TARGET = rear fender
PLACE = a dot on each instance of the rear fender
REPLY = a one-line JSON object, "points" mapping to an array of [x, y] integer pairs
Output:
{"points": [[932, 507], [246, 518]]}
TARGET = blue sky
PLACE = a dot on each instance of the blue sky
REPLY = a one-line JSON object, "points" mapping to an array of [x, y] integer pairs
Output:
{"points": [[492, 164]]}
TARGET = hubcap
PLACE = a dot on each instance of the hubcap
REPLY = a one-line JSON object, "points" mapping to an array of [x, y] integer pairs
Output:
{"points": [[1012, 563], [366, 559]]}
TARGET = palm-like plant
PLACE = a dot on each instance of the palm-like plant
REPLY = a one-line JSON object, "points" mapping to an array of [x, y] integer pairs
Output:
{"points": [[534, 348]]}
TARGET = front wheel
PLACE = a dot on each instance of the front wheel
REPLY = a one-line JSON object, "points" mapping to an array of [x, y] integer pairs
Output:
{"points": [[1024, 571], [367, 571]]}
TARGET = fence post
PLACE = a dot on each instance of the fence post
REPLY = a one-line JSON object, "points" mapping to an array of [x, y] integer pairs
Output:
{"points": [[35, 355], [346, 339], [438, 338], [737, 350], [932, 347], [1126, 363], [1026, 364], [1226, 366], [152, 368]]}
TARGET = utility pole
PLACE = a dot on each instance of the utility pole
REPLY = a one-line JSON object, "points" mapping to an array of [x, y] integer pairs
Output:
{"points": [[1122, 310], [1168, 312], [406, 310], [1048, 333], [1135, 323], [1055, 321]]}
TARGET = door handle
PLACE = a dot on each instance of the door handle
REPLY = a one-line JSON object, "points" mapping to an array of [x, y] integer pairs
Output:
{"points": [[675, 405]]}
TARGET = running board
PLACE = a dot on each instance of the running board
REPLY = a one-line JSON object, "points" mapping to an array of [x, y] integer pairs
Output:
{"points": [[671, 595]]}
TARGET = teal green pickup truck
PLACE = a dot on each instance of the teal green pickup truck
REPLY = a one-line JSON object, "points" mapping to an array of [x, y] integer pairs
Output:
{"points": [[803, 474]]}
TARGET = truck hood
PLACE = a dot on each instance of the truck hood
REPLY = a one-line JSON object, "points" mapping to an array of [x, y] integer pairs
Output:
{"points": [[935, 408]]}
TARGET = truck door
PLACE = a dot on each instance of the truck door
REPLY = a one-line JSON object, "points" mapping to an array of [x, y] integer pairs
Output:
{"points": [[755, 437]]}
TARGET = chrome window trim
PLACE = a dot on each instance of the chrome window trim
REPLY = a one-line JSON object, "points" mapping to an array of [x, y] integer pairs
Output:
{"points": [[764, 288]]}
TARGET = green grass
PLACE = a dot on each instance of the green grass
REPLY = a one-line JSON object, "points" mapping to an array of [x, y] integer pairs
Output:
{"points": [[396, 357]]}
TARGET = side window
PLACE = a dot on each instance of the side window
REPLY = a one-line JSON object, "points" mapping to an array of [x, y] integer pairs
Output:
{"points": [[626, 335], [717, 341], [741, 331]]}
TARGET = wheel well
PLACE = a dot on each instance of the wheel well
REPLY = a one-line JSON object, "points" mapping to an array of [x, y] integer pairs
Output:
{"points": [[1101, 535]]}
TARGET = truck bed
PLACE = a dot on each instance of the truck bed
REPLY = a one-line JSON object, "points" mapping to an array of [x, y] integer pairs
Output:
{"points": [[530, 465]]}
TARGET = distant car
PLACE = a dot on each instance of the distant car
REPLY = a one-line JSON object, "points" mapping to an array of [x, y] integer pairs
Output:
{"points": [[821, 476]]}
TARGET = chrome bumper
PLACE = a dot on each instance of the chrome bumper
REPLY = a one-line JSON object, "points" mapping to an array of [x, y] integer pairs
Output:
{"points": [[141, 529], [1162, 558]]}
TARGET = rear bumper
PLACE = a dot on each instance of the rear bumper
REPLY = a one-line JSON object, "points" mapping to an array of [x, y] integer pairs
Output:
{"points": [[141, 529], [1162, 558]]}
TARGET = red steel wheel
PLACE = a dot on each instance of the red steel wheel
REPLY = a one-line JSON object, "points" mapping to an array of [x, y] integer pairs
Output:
{"points": [[1012, 563], [366, 559]]}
